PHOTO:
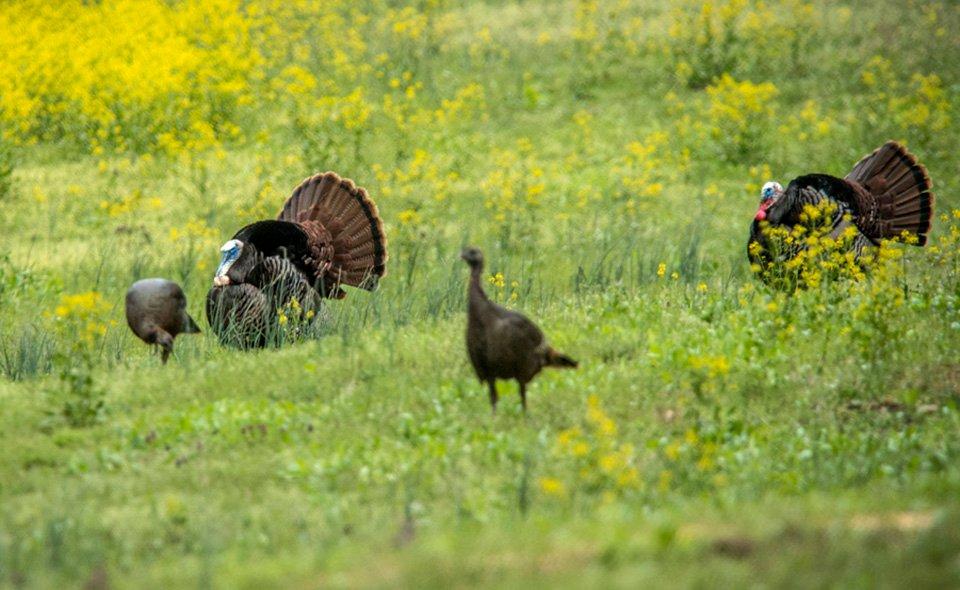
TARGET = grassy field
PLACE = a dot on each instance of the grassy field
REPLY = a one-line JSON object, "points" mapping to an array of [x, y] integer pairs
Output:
{"points": [[607, 156]]}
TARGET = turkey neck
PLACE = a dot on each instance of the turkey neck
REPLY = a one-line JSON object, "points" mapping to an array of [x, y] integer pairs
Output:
{"points": [[477, 297]]}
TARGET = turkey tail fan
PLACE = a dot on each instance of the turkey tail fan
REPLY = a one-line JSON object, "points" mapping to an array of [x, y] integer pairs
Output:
{"points": [[350, 216], [558, 359], [901, 186]]}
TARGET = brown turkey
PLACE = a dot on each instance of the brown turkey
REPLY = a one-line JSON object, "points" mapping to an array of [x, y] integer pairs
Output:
{"points": [[157, 312], [886, 194], [328, 234], [503, 344]]}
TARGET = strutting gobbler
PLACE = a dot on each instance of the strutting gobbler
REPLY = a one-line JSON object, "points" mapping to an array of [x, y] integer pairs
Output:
{"points": [[328, 234], [886, 195]]}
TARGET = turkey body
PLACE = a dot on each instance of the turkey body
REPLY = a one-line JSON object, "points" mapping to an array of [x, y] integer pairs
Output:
{"points": [[156, 311], [885, 195], [503, 344], [276, 273]]}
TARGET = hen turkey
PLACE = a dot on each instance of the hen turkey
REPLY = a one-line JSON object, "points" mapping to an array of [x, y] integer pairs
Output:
{"points": [[328, 234], [886, 195], [503, 344], [157, 313]]}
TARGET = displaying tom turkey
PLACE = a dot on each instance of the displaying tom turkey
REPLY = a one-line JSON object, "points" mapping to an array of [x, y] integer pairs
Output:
{"points": [[157, 313], [329, 234], [885, 195], [503, 344]]}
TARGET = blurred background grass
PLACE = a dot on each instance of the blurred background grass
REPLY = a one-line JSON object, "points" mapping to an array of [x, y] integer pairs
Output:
{"points": [[607, 156]]}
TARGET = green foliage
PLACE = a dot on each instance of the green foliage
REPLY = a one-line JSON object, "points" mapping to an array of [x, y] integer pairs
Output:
{"points": [[80, 399], [26, 354], [717, 433], [6, 167]]}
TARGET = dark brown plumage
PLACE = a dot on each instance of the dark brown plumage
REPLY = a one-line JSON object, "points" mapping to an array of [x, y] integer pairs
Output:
{"points": [[240, 315], [157, 313], [328, 234], [891, 194], [344, 234], [886, 194], [503, 344]]}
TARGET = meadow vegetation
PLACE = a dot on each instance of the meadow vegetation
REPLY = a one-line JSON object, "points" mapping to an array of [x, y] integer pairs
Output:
{"points": [[607, 155]]}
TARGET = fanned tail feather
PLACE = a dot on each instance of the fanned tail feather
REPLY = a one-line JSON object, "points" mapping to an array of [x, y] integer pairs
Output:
{"points": [[350, 216], [901, 187]]}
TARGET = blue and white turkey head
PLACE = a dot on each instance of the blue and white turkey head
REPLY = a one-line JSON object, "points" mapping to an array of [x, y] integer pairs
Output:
{"points": [[232, 269], [770, 192]]}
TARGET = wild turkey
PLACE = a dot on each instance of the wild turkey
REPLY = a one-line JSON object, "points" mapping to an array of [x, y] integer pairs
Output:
{"points": [[503, 344], [157, 313], [886, 194], [328, 234]]}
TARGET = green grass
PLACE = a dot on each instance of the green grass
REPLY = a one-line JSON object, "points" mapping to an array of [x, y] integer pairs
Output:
{"points": [[802, 440]]}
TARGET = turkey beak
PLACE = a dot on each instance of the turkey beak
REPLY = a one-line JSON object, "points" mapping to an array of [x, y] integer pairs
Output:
{"points": [[221, 281]]}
